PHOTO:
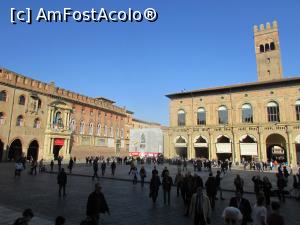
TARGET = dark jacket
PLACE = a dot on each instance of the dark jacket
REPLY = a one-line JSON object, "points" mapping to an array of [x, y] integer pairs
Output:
{"points": [[211, 186], [155, 183], [244, 207], [96, 204], [62, 178], [167, 183], [275, 219]]}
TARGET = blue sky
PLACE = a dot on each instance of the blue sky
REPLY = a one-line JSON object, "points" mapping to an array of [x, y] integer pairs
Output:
{"points": [[194, 44]]}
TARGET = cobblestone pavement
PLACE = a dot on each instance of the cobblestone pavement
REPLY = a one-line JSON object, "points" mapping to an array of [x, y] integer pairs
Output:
{"points": [[129, 203]]}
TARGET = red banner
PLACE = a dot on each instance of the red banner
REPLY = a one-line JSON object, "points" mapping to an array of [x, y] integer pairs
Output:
{"points": [[59, 141]]}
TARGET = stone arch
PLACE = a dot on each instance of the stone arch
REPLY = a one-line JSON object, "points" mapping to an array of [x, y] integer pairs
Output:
{"points": [[245, 138], [201, 147], [178, 139], [180, 143], [248, 147], [33, 150], [223, 147], [218, 138], [276, 147], [15, 149]]}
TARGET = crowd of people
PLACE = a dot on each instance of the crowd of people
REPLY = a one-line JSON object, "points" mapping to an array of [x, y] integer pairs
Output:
{"points": [[198, 195]]}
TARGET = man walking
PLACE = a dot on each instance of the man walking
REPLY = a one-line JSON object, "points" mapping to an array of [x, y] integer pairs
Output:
{"points": [[96, 204], [95, 168], [167, 183], [113, 167], [211, 189], [243, 205], [218, 184], [70, 166], [103, 167], [62, 181]]}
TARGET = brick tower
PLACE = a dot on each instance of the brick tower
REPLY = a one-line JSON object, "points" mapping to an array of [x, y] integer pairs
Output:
{"points": [[267, 51]]}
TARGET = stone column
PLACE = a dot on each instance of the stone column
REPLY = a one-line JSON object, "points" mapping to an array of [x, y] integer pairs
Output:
{"points": [[49, 117], [212, 150], [51, 146], [52, 116], [260, 145], [290, 148]]}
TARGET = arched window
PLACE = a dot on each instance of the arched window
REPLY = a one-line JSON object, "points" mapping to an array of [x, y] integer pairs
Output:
{"points": [[201, 117], [3, 96], [122, 133], [272, 46], [261, 48], [105, 131], [2, 118], [73, 125], [37, 123], [98, 129], [20, 121], [247, 114], [273, 112], [91, 129], [39, 103], [57, 121], [297, 107], [22, 100], [118, 133], [112, 131], [181, 117], [81, 130], [223, 115], [267, 47]]}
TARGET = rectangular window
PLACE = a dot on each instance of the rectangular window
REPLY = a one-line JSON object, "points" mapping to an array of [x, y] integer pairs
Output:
{"points": [[223, 117], [298, 112], [201, 120]]}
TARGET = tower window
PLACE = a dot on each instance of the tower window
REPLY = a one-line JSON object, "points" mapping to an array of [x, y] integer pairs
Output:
{"points": [[272, 46], [269, 72], [261, 48], [267, 47]]}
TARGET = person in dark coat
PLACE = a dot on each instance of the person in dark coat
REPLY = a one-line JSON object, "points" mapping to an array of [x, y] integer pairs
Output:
{"points": [[218, 184], [70, 166], [281, 183], [95, 168], [51, 165], [179, 182], [96, 204], [258, 184], [154, 187], [113, 167], [275, 218], [62, 181], [164, 172], [188, 191], [267, 186], [167, 183], [103, 167], [211, 189], [142, 175], [243, 205], [59, 159]]}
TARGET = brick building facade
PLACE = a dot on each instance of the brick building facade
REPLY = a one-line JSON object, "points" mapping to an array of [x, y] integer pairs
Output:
{"points": [[259, 120], [44, 121]]}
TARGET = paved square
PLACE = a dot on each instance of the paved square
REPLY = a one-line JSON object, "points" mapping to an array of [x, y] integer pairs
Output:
{"points": [[129, 204]]}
